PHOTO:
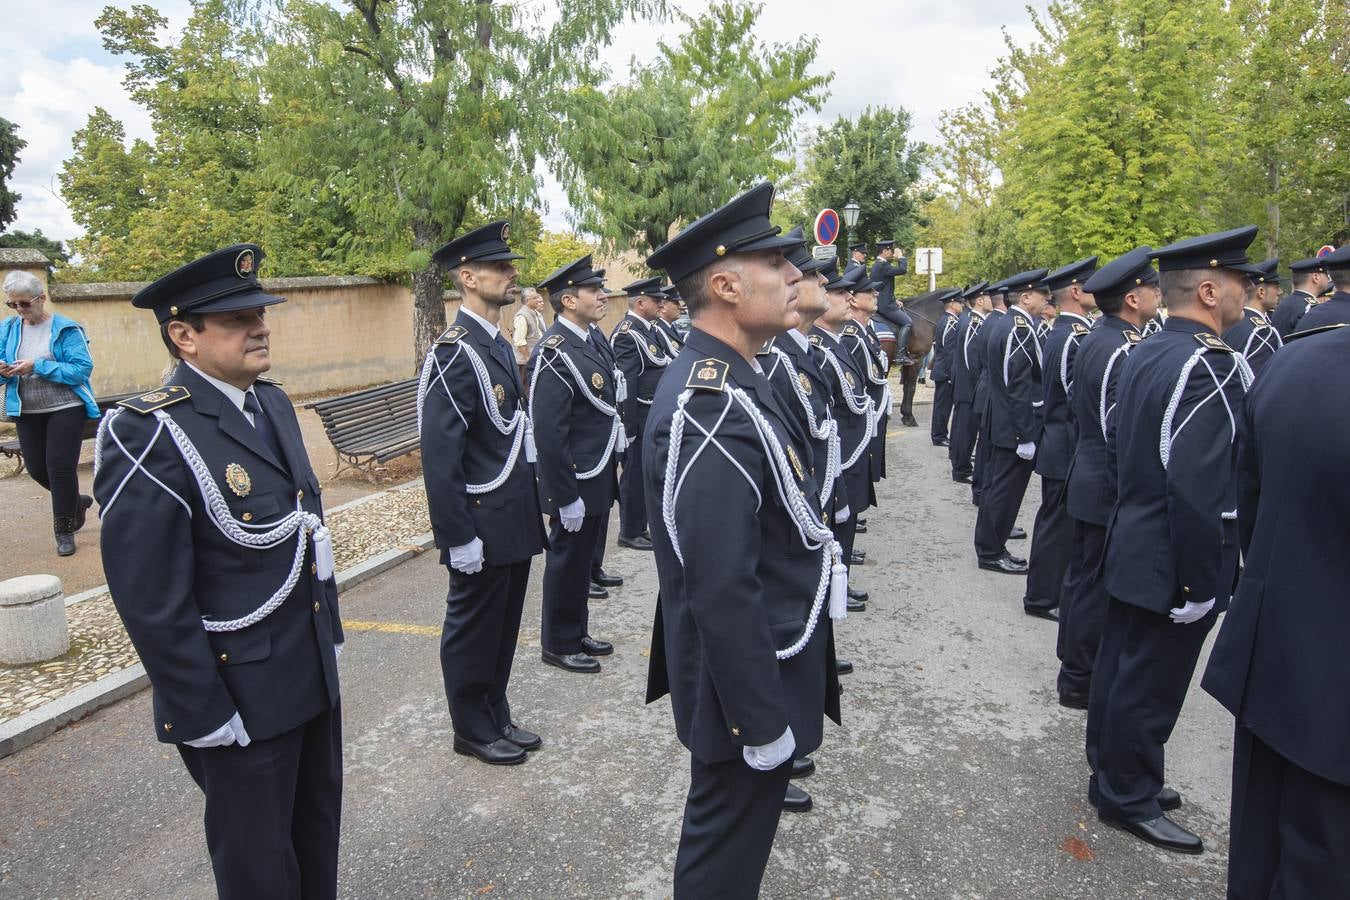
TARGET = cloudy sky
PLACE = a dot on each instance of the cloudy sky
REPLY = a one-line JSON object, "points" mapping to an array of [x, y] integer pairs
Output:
{"points": [[921, 55]]}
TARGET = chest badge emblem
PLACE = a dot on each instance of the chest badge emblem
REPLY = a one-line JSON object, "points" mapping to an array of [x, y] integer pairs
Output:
{"points": [[796, 463], [238, 480], [499, 393], [597, 380]]}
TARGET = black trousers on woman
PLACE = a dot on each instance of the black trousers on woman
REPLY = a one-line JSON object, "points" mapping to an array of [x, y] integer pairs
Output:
{"points": [[50, 444]]}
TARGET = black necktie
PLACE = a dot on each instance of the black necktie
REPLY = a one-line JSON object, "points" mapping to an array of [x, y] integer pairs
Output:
{"points": [[263, 426], [507, 359], [596, 341]]}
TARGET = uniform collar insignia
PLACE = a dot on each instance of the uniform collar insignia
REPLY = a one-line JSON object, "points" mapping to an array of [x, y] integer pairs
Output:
{"points": [[708, 374], [1210, 342]]}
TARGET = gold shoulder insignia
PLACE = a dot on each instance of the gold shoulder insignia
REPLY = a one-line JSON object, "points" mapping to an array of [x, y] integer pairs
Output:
{"points": [[148, 403], [452, 334], [850, 328], [1210, 342], [268, 379], [1257, 322], [815, 339], [1080, 329], [625, 324], [708, 374], [766, 349], [1133, 337], [553, 341], [1321, 329], [1019, 322]]}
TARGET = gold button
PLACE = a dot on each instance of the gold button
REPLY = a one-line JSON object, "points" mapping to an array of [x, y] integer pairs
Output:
{"points": [[478, 503], [316, 605], [314, 568], [224, 657], [247, 517], [1185, 590], [299, 495], [735, 732], [168, 726]]}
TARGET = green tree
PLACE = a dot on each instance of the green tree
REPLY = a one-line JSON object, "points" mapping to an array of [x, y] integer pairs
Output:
{"points": [[36, 240], [551, 250], [10, 145], [712, 114], [872, 161]]}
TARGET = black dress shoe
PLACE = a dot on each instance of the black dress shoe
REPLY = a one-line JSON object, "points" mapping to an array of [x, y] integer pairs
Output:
{"points": [[500, 752], [860, 529], [593, 647], [861, 520], [858, 558], [1017, 534], [1169, 799], [604, 579], [796, 799], [857, 595], [1073, 700], [1004, 565], [572, 662], [803, 767], [637, 542], [843, 667], [1160, 832], [1041, 612], [596, 592], [964, 479], [1016, 559], [942, 443], [855, 605], [525, 740]]}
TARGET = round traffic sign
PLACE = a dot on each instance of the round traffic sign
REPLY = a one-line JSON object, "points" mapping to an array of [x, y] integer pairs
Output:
{"points": [[1326, 249], [827, 226]]}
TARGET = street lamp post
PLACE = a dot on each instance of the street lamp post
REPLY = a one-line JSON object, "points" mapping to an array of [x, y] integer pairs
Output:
{"points": [[851, 210]]}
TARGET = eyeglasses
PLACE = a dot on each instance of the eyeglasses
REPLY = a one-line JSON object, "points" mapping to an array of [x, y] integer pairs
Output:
{"points": [[20, 304]]}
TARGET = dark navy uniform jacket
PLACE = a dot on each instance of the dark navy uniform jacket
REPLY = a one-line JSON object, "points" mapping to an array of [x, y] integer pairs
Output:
{"points": [[1291, 310], [1255, 338], [1013, 361], [863, 345], [965, 357], [886, 273], [573, 436], [979, 360], [795, 376], [746, 586], [1280, 663], [943, 345], [853, 430], [1093, 379], [1172, 442], [168, 566], [1335, 311], [641, 356], [670, 341], [1054, 453], [461, 445]]}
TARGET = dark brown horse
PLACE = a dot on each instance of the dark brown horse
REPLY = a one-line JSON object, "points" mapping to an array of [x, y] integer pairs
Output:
{"points": [[924, 309]]}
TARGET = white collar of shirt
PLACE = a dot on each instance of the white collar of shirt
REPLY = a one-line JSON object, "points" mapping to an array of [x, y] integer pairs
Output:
{"points": [[997, 312], [798, 337], [641, 321], [1255, 312], [1083, 319], [232, 393], [487, 326], [580, 332]]}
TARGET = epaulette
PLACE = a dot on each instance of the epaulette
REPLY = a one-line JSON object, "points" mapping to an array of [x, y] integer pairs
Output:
{"points": [[1079, 329], [452, 334], [816, 340], [268, 379], [709, 374], [766, 348], [1019, 322], [1133, 337], [625, 324], [553, 342], [1318, 330], [1210, 342], [1257, 322], [850, 328], [148, 403]]}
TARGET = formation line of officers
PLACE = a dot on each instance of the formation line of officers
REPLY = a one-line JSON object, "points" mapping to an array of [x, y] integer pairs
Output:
{"points": [[742, 455]]}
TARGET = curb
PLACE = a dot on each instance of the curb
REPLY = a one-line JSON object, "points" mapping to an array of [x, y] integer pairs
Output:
{"points": [[34, 725]]}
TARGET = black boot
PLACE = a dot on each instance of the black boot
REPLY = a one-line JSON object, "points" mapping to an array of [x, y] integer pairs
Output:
{"points": [[85, 502], [902, 356], [64, 526]]}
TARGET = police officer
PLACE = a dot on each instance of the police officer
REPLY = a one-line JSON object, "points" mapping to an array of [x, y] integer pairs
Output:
{"points": [[1125, 290], [998, 294], [1052, 537], [1335, 311], [479, 479], [222, 571], [642, 359], [1309, 278], [574, 397], [943, 350], [669, 338], [1172, 555], [891, 263], [1283, 642], [1253, 336], [750, 681], [1013, 421], [601, 580], [864, 346], [964, 431]]}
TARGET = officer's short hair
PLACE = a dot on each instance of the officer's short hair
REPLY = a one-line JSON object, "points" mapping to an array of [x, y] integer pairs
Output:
{"points": [[1341, 278], [1301, 278], [555, 298], [195, 321], [693, 288], [1059, 295], [1178, 285], [1111, 304]]}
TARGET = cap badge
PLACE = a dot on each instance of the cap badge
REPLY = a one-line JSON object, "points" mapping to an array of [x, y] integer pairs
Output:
{"points": [[238, 480], [597, 380], [243, 264], [506, 232]]}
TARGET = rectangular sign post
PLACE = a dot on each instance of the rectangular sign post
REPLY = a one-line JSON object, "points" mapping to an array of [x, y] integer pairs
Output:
{"points": [[928, 261]]}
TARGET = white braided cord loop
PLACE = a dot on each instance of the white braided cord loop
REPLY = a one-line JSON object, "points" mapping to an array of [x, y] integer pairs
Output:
{"points": [[827, 431], [1102, 410], [863, 407], [616, 434], [517, 424], [1244, 373]]}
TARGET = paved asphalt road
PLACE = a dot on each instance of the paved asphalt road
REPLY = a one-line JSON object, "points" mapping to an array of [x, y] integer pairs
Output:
{"points": [[955, 774]]}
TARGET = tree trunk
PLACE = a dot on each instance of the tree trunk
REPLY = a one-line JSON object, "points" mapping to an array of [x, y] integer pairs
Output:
{"points": [[428, 295]]}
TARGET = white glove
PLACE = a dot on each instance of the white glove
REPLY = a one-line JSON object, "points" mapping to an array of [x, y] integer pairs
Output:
{"points": [[467, 558], [1191, 612], [232, 732], [337, 650], [768, 757], [1027, 450], [572, 514], [842, 515]]}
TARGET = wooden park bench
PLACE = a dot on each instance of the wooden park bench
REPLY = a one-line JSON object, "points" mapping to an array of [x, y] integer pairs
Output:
{"points": [[372, 426], [9, 448]]}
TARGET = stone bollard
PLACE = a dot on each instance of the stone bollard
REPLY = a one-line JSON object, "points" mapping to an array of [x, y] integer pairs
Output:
{"points": [[33, 624]]}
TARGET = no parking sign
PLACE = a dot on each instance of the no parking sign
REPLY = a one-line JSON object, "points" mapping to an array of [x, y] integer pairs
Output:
{"points": [[827, 226]]}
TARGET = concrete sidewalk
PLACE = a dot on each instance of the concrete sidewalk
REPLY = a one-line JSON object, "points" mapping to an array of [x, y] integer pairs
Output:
{"points": [[955, 775]]}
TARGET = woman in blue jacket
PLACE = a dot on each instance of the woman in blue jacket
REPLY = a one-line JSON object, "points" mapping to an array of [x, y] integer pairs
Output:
{"points": [[45, 366]]}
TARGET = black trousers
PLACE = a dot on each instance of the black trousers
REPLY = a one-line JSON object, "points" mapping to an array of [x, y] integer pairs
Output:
{"points": [[478, 645], [598, 556], [730, 819], [962, 447], [273, 811], [1144, 669], [1051, 546], [1082, 609], [567, 567], [50, 445], [1003, 477], [942, 410], [1290, 833], [981, 471], [632, 496]]}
